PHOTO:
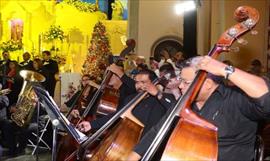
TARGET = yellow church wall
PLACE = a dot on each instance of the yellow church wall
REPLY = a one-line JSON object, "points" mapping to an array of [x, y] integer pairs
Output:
{"points": [[35, 15], [38, 16], [116, 30]]}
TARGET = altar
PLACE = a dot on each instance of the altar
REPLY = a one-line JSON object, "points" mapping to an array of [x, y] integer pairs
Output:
{"points": [[62, 27]]}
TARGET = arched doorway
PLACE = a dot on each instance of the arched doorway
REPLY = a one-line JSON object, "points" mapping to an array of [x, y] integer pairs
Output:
{"points": [[172, 44]]}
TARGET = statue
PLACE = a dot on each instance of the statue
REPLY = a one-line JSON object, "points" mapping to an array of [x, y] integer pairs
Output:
{"points": [[118, 10], [16, 29]]}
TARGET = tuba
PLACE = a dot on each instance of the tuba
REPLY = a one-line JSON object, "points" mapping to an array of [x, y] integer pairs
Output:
{"points": [[27, 98]]}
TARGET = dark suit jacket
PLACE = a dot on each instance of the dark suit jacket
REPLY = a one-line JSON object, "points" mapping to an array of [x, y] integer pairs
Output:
{"points": [[27, 65], [50, 68]]}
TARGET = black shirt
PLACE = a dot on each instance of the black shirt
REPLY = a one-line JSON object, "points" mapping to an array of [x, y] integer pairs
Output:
{"points": [[127, 88], [235, 114], [149, 111]]}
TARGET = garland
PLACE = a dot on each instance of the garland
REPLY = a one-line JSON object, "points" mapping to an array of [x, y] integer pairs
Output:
{"points": [[82, 6], [11, 45], [54, 33]]}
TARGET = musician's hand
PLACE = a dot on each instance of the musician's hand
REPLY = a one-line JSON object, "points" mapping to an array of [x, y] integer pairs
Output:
{"points": [[94, 84], [116, 70], [12, 109], [210, 65], [151, 89], [84, 126], [133, 156], [75, 113], [64, 108], [4, 91]]}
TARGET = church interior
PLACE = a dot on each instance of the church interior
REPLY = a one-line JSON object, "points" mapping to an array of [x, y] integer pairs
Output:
{"points": [[48, 48]]}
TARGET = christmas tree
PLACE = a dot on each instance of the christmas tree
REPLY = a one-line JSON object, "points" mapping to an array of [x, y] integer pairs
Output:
{"points": [[97, 58]]}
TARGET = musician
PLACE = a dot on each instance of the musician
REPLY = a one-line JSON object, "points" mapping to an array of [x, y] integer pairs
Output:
{"points": [[85, 80], [4, 102], [235, 111], [27, 63], [16, 137], [120, 81], [51, 67], [170, 85], [148, 111], [4, 65], [14, 81]]}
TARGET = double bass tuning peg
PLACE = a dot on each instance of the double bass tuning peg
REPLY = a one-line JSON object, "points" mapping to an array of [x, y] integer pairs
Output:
{"points": [[234, 49], [242, 41], [254, 32]]}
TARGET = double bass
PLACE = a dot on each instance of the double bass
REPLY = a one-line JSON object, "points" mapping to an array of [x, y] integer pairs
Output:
{"points": [[107, 104], [81, 102], [108, 100], [67, 144], [194, 138], [120, 140]]}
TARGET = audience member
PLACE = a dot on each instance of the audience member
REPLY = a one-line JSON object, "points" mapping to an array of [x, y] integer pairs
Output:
{"points": [[27, 63]]}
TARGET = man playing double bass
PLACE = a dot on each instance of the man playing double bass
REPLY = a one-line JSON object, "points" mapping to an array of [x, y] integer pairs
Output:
{"points": [[235, 111], [149, 111]]}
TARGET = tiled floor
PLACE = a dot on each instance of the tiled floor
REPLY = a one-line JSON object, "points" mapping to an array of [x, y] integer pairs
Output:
{"points": [[43, 156]]}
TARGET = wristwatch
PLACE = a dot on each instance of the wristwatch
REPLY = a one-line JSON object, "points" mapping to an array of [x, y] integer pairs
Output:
{"points": [[228, 71], [159, 95]]}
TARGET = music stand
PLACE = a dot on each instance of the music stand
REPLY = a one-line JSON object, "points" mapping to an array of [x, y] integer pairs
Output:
{"points": [[57, 118]]}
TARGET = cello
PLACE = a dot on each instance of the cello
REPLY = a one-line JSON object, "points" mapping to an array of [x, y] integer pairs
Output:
{"points": [[194, 138]]}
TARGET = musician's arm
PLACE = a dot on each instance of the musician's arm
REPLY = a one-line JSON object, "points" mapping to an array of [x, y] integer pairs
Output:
{"points": [[257, 88], [98, 123], [4, 102], [129, 82], [254, 86]]}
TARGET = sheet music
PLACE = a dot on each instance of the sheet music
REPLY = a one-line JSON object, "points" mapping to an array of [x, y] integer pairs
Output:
{"points": [[54, 113]]}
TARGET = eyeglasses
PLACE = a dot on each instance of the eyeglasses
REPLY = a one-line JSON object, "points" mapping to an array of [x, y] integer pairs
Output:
{"points": [[85, 80], [185, 82]]}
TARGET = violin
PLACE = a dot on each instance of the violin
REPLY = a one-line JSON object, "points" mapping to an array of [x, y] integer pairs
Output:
{"points": [[194, 138]]}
